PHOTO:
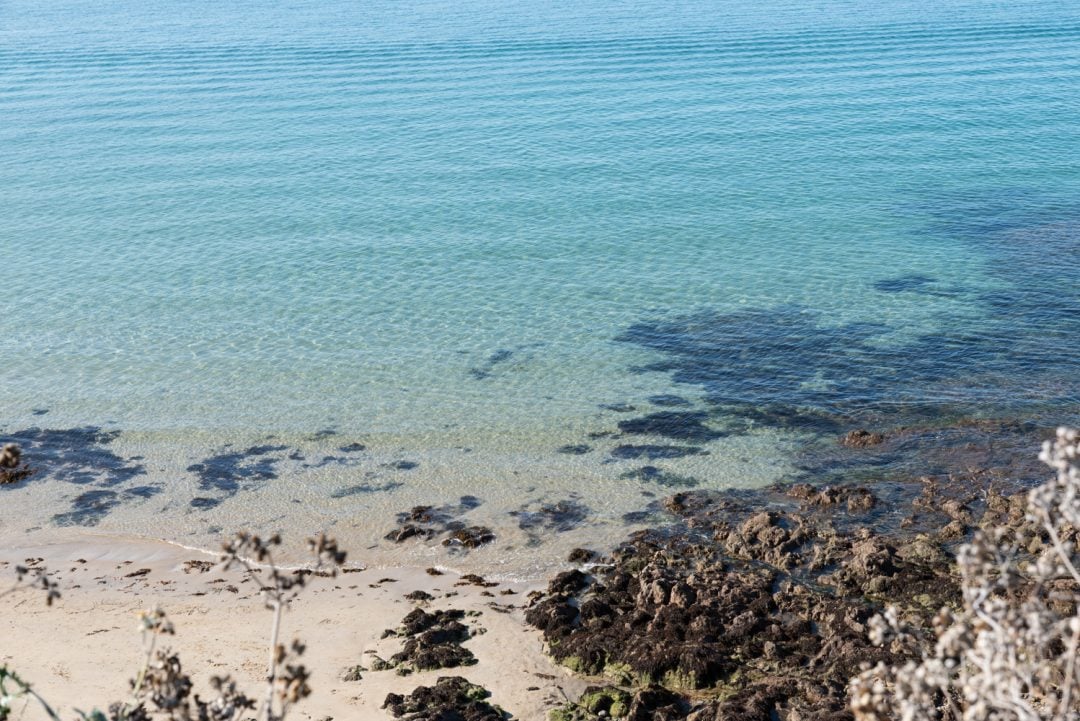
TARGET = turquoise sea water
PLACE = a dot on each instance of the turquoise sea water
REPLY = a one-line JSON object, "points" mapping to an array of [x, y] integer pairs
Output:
{"points": [[238, 238]]}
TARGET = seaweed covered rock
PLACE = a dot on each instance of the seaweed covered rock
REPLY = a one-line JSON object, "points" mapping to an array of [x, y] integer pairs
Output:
{"points": [[470, 537], [432, 641], [646, 704], [452, 698], [734, 612], [428, 522], [861, 438]]}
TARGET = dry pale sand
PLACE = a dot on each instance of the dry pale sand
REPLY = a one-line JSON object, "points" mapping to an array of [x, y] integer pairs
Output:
{"points": [[81, 652]]}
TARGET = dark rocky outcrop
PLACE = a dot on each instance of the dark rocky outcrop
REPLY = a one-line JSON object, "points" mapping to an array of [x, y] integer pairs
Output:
{"points": [[452, 698], [753, 604], [428, 522], [469, 537], [861, 439], [432, 641]]}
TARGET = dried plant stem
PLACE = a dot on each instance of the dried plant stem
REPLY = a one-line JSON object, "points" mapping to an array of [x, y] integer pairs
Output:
{"points": [[271, 673], [140, 679], [1010, 652], [24, 690]]}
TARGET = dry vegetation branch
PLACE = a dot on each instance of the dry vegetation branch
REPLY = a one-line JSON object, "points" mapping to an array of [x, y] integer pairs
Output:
{"points": [[1009, 653], [161, 689]]}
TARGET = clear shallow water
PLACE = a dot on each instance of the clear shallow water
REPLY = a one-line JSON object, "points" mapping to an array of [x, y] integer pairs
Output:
{"points": [[452, 232]]}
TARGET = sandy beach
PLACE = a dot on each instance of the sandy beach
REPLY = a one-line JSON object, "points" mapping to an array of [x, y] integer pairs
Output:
{"points": [[80, 653]]}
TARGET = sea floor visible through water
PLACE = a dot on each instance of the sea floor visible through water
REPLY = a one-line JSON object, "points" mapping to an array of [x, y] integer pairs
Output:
{"points": [[529, 267]]}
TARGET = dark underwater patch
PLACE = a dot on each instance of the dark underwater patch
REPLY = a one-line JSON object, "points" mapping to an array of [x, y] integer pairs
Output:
{"points": [[332, 461], [143, 492], [500, 356], [75, 455], [563, 515], [90, 507], [654, 452], [617, 407], [783, 367], [574, 450], [365, 488], [520, 354], [1003, 449], [754, 358], [468, 503], [228, 473], [1028, 239], [403, 465], [789, 367], [903, 283], [915, 283], [353, 448], [652, 474], [668, 400], [681, 425]]}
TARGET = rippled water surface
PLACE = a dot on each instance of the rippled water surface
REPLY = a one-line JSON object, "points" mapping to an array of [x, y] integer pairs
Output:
{"points": [[307, 265]]}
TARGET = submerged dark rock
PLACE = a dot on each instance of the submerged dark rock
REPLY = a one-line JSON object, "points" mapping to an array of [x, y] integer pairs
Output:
{"points": [[563, 515], [681, 425], [861, 439], [80, 456], [88, 508], [790, 367], [365, 488], [668, 399], [501, 357], [652, 474], [230, 472], [75, 455], [912, 281], [617, 407], [655, 452]]}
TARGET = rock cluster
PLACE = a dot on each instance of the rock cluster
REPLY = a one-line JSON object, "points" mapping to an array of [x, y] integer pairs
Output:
{"points": [[432, 641], [452, 698], [428, 522], [754, 604]]}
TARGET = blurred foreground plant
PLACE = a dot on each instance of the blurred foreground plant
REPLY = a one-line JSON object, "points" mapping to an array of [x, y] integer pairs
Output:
{"points": [[1010, 652], [286, 679], [30, 576], [162, 689]]}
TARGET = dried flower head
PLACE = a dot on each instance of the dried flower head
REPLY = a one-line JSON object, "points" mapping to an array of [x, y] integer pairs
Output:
{"points": [[1011, 652], [10, 456]]}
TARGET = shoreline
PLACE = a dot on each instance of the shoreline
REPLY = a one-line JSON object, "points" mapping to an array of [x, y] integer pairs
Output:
{"points": [[81, 652], [664, 623]]}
